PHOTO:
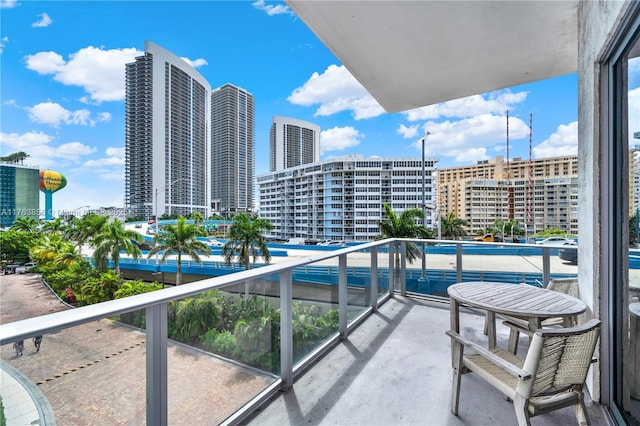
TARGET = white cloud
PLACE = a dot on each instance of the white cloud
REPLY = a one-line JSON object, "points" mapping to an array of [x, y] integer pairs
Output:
{"points": [[73, 151], [336, 90], [36, 145], [104, 117], [99, 72], [272, 10], [115, 152], [467, 140], [45, 62], [54, 114], [197, 63], [114, 158], [563, 142], [3, 43], [339, 139], [408, 131], [43, 21], [21, 142], [497, 102], [471, 155], [108, 161], [8, 4]]}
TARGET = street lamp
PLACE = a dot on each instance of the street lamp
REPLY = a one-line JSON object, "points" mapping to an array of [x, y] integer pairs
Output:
{"points": [[156, 193], [424, 210]]}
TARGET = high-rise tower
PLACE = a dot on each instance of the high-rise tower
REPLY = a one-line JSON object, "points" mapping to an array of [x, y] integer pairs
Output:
{"points": [[232, 149], [166, 136], [293, 143]]}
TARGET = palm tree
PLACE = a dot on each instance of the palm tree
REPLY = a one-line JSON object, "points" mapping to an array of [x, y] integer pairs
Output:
{"points": [[404, 226], [180, 238], [197, 218], [453, 227], [56, 226], [83, 229], [112, 238], [25, 224], [49, 248], [246, 240]]}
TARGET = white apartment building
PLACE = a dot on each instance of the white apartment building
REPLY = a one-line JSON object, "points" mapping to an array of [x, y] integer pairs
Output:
{"points": [[341, 199], [166, 135], [187, 148], [292, 143]]}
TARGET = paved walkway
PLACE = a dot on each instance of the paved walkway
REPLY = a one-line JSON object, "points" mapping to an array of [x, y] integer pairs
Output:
{"points": [[95, 373]]}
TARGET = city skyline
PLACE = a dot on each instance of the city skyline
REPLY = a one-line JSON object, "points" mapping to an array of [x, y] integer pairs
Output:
{"points": [[63, 91]]}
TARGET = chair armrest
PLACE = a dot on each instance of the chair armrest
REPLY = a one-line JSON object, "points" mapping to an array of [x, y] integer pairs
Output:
{"points": [[490, 356]]}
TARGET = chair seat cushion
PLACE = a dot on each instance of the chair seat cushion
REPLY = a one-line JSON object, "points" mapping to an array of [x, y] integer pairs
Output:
{"points": [[494, 374]]}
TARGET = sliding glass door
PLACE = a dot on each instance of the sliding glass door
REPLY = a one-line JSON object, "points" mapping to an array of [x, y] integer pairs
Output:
{"points": [[621, 231]]}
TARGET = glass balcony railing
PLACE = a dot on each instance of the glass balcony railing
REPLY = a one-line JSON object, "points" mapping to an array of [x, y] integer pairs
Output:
{"points": [[245, 334]]}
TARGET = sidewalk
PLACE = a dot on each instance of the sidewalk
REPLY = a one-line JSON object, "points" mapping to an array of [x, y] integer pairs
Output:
{"points": [[95, 373]]}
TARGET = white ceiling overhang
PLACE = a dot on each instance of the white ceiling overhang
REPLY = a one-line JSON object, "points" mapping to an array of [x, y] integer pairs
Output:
{"points": [[409, 54]]}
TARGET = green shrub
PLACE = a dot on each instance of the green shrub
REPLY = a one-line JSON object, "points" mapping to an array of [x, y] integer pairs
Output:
{"points": [[3, 419], [225, 344]]}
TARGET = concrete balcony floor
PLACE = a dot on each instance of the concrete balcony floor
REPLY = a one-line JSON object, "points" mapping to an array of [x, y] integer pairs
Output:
{"points": [[395, 369]]}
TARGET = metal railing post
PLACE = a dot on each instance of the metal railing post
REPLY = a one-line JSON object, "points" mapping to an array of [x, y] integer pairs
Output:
{"points": [[342, 295], [156, 347], [374, 279], [286, 329], [546, 266], [459, 261], [392, 268], [403, 268]]}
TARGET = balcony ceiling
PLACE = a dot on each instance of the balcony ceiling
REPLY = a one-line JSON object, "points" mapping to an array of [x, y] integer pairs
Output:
{"points": [[409, 54]]}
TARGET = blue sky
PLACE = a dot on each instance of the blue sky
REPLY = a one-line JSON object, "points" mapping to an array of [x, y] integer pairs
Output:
{"points": [[62, 90]]}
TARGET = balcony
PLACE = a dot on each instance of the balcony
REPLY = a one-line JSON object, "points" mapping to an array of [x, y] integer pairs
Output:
{"points": [[385, 360]]}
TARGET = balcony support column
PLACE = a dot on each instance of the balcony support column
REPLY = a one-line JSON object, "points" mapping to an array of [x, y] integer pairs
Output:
{"points": [[156, 347], [342, 296], [286, 329]]}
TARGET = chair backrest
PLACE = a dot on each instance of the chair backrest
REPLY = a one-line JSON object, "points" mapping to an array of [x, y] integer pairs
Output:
{"points": [[559, 359], [565, 285]]}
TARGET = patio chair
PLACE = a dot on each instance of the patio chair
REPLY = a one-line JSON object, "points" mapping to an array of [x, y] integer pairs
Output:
{"points": [[567, 286], [551, 376]]}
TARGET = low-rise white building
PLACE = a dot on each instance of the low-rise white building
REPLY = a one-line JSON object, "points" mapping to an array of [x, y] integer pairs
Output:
{"points": [[341, 199]]}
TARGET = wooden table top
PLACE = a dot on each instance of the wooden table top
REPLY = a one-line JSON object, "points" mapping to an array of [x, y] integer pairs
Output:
{"points": [[516, 299]]}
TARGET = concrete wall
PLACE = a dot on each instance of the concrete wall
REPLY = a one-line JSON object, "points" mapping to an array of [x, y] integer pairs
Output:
{"points": [[597, 23]]}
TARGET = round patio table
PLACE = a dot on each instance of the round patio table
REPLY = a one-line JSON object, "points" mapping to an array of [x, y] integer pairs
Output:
{"points": [[517, 300]]}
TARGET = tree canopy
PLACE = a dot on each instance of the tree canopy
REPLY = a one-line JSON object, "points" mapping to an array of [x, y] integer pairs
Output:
{"points": [[16, 157], [406, 225], [180, 238], [246, 240]]}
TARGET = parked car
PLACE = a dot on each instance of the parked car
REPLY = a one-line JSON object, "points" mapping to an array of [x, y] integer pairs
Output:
{"points": [[11, 269], [488, 238], [569, 252], [555, 241]]}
